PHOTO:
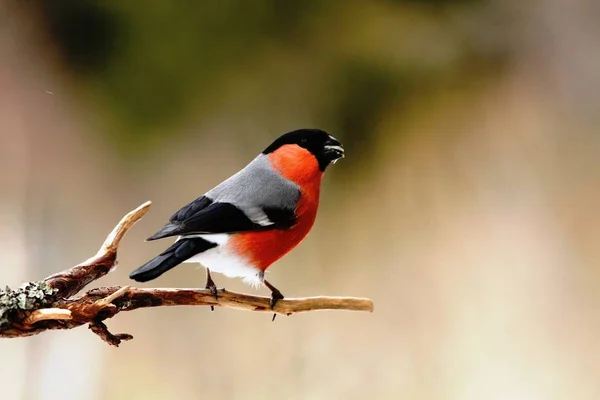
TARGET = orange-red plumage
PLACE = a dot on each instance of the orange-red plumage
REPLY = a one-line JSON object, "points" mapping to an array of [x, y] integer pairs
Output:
{"points": [[264, 248]]}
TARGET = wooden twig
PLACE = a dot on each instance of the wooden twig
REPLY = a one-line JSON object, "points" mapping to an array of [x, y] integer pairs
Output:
{"points": [[71, 281], [100, 329], [45, 314], [47, 305]]}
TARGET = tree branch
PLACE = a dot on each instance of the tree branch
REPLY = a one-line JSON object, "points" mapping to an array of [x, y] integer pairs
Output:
{"points": [[71, 281], [47, 305]]}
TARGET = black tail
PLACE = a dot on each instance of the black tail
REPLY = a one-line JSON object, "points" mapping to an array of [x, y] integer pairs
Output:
{"points": [[180, 251], [166, 231]]}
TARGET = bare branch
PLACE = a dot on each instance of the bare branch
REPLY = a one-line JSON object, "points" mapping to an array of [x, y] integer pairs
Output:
{"points": [[48, 305], [109, 299], [71, 281], [136, 298], [46, 314], [100, 329]]}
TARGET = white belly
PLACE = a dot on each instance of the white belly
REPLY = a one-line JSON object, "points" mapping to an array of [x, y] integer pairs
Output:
{"points": [[219, 259]]}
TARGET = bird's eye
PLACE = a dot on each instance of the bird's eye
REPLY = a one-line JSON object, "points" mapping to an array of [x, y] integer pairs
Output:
{"points": [[304, 141]]}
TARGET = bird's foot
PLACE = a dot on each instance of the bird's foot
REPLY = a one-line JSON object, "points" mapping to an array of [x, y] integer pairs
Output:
{"points": [[210, 285], [214, 291], [275, 296]]}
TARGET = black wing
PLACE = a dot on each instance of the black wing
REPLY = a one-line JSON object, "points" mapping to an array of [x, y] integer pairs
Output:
{"points": [[203, 216]]}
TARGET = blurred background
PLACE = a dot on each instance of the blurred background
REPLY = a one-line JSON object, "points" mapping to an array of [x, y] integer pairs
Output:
{"points": [[466, 206]]}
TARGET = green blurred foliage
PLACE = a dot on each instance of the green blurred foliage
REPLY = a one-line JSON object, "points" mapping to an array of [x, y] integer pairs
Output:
{"points": [[151, 65], [362, 92]]}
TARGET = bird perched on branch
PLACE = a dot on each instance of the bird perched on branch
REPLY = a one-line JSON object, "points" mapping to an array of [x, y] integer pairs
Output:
{"points": [[246, 223]]}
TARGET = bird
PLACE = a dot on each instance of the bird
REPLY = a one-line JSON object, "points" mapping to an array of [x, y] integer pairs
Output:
{"points": [[252, 219]]}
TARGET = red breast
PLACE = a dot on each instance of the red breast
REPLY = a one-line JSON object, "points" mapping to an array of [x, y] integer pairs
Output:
{"points": [[264, 248]]}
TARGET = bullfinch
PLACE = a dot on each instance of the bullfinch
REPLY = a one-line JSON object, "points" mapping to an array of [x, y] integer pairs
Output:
{"points": [[252, 219]]}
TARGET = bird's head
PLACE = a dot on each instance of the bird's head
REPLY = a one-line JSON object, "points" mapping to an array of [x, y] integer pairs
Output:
{"points": [[324, 147]]}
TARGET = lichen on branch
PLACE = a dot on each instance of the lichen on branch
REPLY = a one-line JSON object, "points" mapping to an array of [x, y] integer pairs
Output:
{"points": [[15, 305]]}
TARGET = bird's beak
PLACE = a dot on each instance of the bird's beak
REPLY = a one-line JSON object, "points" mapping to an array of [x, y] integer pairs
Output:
{"points": [[334, 149]]}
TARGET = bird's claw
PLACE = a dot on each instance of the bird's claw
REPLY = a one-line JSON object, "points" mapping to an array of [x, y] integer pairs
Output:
{"points": [[275, 296], [213, 291]]}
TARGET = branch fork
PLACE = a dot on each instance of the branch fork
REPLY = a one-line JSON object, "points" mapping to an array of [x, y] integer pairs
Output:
{"points": [[53, 304]]}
